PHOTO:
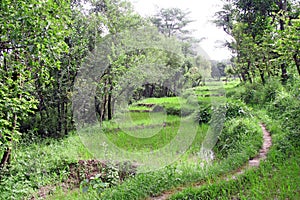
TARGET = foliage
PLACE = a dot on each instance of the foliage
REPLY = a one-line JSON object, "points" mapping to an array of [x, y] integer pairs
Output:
{"points": [[204, 115], [31, 45], [44, 43], [264, 39], [42, 163], [233, 109], [239, 134], [108, 176], [249, 185], [172, 21], [217, 71], [236, 109], [274, 178]]}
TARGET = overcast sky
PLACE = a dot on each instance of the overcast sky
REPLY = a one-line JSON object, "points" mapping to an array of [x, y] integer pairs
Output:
{"points": [[202, 12]]}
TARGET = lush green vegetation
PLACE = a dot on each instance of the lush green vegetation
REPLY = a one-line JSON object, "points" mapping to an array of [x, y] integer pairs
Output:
{"points": [[277, 177], [88, 92]]}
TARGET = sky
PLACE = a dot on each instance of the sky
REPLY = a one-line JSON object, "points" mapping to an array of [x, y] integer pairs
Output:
{"points": [[202, 11]]}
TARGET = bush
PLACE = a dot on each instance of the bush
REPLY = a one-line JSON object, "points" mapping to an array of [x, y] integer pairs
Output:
{"points": [[203, 116], [187, 94], [232, 109], [170, 110], [256, 93], [252, 93], [270, 90], [238, 135], [183, 110], [237, 109], [285, 109]]}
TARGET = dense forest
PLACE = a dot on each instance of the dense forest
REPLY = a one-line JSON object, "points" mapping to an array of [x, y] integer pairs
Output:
{"points": [[68, 65]]}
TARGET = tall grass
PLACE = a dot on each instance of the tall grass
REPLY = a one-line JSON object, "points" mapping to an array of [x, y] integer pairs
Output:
{"points": [[44, 162], [278, 176], [182, 172]]}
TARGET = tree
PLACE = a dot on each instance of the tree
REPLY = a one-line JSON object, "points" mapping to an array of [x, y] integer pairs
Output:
{"points": [[53, 117], [172, 22], [117, 17], [31, 45], [218, 70], [255, 27]]}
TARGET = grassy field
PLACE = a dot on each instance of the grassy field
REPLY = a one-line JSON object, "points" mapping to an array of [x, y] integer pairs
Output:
{"points": [[170, 143]]}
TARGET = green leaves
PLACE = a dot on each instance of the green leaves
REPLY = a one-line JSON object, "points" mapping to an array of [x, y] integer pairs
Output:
{"points": [[265, 39], [31, 45]]}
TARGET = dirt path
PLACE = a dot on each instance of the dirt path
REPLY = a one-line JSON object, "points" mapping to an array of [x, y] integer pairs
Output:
{"points": [[267, 143]]}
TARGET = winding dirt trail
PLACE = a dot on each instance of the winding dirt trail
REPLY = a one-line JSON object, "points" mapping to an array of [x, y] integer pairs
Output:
{"points": [[254, 162]]}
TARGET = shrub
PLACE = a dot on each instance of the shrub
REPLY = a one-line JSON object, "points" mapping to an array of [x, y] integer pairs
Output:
{"points": [[252, 94], [170, 110], [270, 90], [203, 116], [285, 109], [240, 134], [232, 109], [237, 109], [187, 94]]}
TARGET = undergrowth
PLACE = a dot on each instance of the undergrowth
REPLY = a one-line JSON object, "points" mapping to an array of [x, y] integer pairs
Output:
{"points": [[44, 162], [278, 176]]}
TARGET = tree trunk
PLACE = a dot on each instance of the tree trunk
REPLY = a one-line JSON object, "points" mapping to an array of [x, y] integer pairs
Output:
{"points": [[284, 75], [297, 62], [152, 90], [59, 104], [103, 108], [58, 130], [262, 75], [63, 116], [109, 108], [243, 75], [248, 73], [5, 158], [103, 103], [66, 125], [7, 153], [109, 100], [240, 78], [249, 78]]}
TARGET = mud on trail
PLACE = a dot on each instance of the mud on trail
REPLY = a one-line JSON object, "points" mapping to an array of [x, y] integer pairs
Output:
{"points": [[254, 162]]}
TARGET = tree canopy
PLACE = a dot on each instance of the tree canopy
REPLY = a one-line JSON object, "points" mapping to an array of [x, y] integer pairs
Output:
{"points": [[262, 31], [44, 45]]}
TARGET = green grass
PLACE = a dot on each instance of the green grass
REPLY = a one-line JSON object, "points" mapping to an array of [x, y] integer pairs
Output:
{"points": [[163, 100], [144, 138], [153, 183], [213, 91], [276, 178], [137, 140], [143, 132], [133, 119], [183, 172], [139, 108], [44, 162], [175, 102], [142, 144]]}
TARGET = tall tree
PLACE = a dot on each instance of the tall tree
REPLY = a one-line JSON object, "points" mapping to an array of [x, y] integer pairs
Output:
{"points": [[172, 22], [31, 44], [253, 26]]}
